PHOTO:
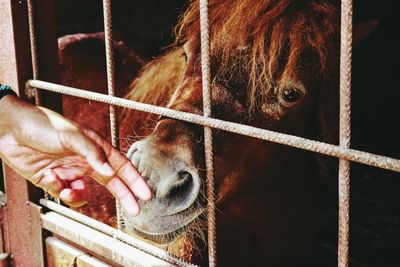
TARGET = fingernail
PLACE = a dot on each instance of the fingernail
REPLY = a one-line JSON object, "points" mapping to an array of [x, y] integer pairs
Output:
{"points": [[107, 169], [142, 189], [132, 209], [66, 194]]}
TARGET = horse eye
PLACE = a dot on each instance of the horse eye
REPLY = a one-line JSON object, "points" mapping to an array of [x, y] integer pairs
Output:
{"points": [[291, 95]]}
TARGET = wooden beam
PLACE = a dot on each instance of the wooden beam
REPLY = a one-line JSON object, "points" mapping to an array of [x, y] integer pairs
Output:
{"points": [[60, 253], [101, 245]]}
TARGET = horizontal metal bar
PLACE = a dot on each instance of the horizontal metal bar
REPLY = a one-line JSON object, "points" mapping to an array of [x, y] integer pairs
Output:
{"points": [[285, 139], [116, 234]]}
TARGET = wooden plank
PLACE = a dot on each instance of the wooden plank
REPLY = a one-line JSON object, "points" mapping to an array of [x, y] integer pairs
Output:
{"points": [[35, 232], [23, 232], [60, 254], [89, 261], [101, 245], [2, 217]]}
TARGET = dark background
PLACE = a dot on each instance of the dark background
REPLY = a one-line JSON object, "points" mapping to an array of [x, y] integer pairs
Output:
{"points": [[375, 197]]}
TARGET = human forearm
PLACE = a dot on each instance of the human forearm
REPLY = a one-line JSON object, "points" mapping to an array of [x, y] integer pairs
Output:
{"points": [[55, 153]]}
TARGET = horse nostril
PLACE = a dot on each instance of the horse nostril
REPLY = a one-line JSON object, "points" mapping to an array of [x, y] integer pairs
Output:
{"points": [[182, 188], [184, 176], [131, 151]]}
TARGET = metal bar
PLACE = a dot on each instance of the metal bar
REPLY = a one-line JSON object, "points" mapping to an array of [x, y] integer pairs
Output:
{"points": [[34, 53], [345, 131], [116, 234], [44, 50], [208, 139], [267, 135], [110, 69], [108, 33]]}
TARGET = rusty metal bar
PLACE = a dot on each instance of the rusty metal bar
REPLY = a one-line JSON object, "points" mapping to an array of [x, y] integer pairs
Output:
{"points": [[34, 52], [345, 131], [44, 49], [108, 36], [208, 138], [110, 69], [263, 134]]}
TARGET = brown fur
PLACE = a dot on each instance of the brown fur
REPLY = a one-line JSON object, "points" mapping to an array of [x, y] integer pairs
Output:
{"points": [[265, 192], [257, 49]]}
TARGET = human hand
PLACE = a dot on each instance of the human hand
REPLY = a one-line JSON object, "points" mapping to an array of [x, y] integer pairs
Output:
{"points": [[55, 154]]}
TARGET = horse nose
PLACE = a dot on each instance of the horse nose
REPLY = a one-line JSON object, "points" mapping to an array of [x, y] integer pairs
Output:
{"points": [[179, 191], [175, 183], [134, 153]]}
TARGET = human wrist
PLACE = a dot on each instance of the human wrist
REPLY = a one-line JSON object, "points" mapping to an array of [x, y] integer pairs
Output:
{"points": [[8, 110]]}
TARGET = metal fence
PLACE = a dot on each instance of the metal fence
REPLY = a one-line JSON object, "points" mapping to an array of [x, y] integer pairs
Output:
{"points": [[342, 151]]}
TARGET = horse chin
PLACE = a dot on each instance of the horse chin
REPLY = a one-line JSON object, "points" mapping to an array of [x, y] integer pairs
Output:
{"points": [[162, 229]]}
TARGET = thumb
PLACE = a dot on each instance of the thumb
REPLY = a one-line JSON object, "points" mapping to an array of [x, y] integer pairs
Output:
{"points": [[82, 145]]}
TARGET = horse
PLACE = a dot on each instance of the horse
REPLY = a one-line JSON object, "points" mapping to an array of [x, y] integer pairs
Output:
{"points": [[274, 65]]}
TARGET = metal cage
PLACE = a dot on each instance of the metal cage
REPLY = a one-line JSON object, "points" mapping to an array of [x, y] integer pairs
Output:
{"points": [[30, 24]]}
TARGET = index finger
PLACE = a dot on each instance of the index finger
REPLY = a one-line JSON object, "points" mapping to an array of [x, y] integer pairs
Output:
{"points": [[123, 167], [124, 195]]}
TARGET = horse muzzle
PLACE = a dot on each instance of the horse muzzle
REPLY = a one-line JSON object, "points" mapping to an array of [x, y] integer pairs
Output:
{"points": [[176, 184]]}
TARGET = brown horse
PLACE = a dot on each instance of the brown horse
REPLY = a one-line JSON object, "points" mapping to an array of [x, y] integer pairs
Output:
{"points": [[274, 66]]}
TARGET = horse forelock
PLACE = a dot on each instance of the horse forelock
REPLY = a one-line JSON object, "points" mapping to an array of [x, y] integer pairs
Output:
{"points": [[262, 41]]}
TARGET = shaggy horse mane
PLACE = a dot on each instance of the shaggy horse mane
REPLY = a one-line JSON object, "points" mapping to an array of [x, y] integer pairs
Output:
{"points": [[254, 42], [266, 39]]}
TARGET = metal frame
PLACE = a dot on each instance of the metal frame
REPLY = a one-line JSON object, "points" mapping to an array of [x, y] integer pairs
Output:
{"points": [[20, 194]]}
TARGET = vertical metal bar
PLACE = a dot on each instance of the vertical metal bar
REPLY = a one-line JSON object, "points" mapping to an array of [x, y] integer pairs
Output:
{"points": [[44, 50], [43, 18], [344, 130], [208, 140], [110, 69], [111, 85], [34, 54]]}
